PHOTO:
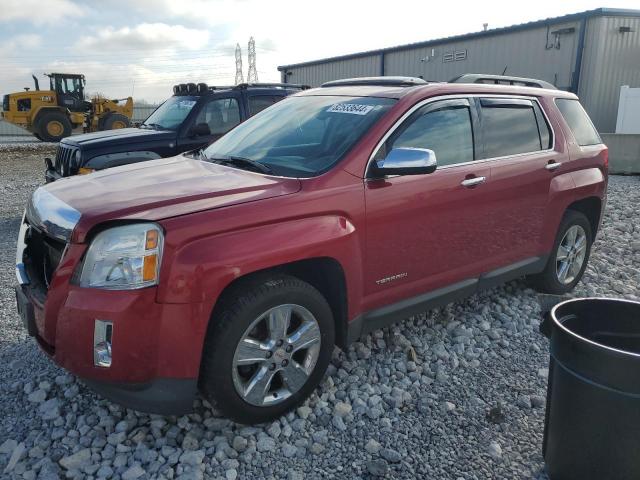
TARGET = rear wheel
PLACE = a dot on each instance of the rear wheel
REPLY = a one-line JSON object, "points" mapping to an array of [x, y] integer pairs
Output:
{"points": [[53, 127], [569, 257], [268, 347], [114, 121]]}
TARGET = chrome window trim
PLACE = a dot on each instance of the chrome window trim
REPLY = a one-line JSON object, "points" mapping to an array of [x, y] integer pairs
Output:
{"points": [[427, 101]]}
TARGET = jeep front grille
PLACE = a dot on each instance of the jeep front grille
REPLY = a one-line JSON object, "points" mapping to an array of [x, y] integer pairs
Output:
{"points": [[65, 164]]}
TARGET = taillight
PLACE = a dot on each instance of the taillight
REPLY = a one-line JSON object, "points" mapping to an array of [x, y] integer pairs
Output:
{"points": [[605, 159]]}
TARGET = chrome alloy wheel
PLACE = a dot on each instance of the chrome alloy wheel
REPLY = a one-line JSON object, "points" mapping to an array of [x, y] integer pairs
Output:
{"points": [[571, 254], [276, 355]]}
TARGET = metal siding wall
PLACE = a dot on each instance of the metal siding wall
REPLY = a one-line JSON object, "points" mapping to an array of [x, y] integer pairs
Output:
{"points": [[316, 75], [611, 59], [523, 53]]}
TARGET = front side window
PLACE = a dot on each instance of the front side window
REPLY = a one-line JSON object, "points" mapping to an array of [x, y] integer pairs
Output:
{"points": [[509, 127], [221, 115], [444, 129], [171, 114], [578, 121], [302, 136]]}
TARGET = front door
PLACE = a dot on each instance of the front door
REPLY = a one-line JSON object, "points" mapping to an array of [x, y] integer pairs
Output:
{"points": [[425, 232], [219, 114]]}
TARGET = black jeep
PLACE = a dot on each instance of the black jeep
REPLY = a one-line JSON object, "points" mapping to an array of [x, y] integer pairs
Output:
{"points": [[195, 116]]}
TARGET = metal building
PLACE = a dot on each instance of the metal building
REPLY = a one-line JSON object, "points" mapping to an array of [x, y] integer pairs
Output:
{"points": [[592, 53]]}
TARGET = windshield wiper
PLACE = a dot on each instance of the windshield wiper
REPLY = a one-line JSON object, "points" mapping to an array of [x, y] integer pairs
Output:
{"points": [[239, 162]]}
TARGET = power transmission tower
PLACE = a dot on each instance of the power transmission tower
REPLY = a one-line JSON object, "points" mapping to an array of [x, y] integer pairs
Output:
{"points": [[239, 76], [252, 74]]}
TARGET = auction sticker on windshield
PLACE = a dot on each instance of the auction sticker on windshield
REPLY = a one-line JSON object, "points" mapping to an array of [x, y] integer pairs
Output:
{"points": [[352, 108]]}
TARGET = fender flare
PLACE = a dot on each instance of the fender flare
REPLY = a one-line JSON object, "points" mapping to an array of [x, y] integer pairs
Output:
{"points": [[566, 189], [122, 158], [198, 272]]}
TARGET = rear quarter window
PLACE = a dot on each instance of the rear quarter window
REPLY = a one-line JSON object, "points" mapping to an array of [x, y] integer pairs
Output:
{"points": [[579, 122]]}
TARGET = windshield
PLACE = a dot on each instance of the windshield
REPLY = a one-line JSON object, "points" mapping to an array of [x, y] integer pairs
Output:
{"points": [[301, 136], [171, 114]]}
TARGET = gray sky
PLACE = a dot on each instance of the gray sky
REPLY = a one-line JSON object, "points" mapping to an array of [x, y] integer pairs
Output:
{"points": [[146, 46]]}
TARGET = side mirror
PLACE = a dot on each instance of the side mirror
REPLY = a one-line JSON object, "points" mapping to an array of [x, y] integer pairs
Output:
{"points": [[408, 161], [200, 130]]}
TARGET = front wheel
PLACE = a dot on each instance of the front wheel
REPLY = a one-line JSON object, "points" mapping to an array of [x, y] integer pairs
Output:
{"points": [[53, 126], [569, 257], [267, 348]]}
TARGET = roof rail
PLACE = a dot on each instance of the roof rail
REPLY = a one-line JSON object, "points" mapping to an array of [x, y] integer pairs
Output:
{"points": [[377, 81], [501, 80], [244, 86]]}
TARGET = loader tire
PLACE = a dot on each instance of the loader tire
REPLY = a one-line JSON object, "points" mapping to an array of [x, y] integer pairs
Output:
{"points": [[53, 127], [114, 121]]}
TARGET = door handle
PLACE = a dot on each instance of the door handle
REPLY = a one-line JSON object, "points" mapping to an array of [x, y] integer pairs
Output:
{"points": [[472, 182], [551, 166]]}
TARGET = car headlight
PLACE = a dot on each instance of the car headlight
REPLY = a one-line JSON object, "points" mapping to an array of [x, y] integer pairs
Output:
{"points": [[124, 258], [77, 158]]}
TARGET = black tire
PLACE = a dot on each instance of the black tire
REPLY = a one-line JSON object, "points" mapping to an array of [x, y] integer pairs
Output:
{"points": [[53, 126], [37, 135], [547, 281], [114, 121], [236, 312]]}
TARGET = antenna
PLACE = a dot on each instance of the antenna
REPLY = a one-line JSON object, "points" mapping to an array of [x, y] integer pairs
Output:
{"points": [[239, 76], [252, 74]]}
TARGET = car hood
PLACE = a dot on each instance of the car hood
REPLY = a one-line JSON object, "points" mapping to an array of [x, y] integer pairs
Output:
{"points": [[120, 136], [152, 190]]}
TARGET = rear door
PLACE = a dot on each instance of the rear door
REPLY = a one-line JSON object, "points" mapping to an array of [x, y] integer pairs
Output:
{"points": [[256, 102], [425, 232], [518, 145]]}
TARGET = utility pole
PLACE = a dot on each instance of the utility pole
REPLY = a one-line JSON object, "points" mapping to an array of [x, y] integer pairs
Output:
{"points": [[239, 76], [252, 74]]}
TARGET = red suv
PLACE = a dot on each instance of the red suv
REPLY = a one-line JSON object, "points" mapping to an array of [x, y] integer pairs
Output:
{"points": [[235, 269]]}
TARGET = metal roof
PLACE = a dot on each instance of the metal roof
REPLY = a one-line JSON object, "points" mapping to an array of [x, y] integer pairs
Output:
{"points": [[598, 12]]}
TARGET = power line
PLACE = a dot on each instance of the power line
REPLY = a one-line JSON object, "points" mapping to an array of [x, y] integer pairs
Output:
{"points": [[225, 52]]}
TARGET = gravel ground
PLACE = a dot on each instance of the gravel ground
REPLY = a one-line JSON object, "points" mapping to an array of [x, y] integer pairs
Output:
{"points": [[457, 393]]}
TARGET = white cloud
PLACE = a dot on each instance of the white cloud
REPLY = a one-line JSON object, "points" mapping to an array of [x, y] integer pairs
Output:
{"points": [[147, 36], [39, 11]]}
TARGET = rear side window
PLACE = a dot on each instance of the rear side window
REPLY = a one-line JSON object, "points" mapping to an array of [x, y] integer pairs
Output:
{"points": [[578, 121], [509, 127], [260, 102]]}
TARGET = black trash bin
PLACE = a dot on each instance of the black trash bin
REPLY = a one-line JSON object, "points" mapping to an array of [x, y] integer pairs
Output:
{"points": [[592, 423]]}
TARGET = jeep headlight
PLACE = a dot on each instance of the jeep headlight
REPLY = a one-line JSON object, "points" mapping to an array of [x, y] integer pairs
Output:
{"points": [[124, 258]]}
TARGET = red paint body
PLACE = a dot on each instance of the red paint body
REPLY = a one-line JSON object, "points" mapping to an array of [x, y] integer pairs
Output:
{"points": [[222, 223]]}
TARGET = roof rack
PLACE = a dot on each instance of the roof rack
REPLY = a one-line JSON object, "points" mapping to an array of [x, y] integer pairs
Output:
{"points": [[377, 81], [244, 86], [501, 80]]}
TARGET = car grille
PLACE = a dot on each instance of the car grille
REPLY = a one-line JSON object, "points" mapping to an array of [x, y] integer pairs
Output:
{"points": [[41, 258], [5, 103], [65, 164]]}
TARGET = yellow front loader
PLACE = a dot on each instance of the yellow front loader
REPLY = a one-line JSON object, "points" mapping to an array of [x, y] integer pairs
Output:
{"points": [[52, 114]]}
